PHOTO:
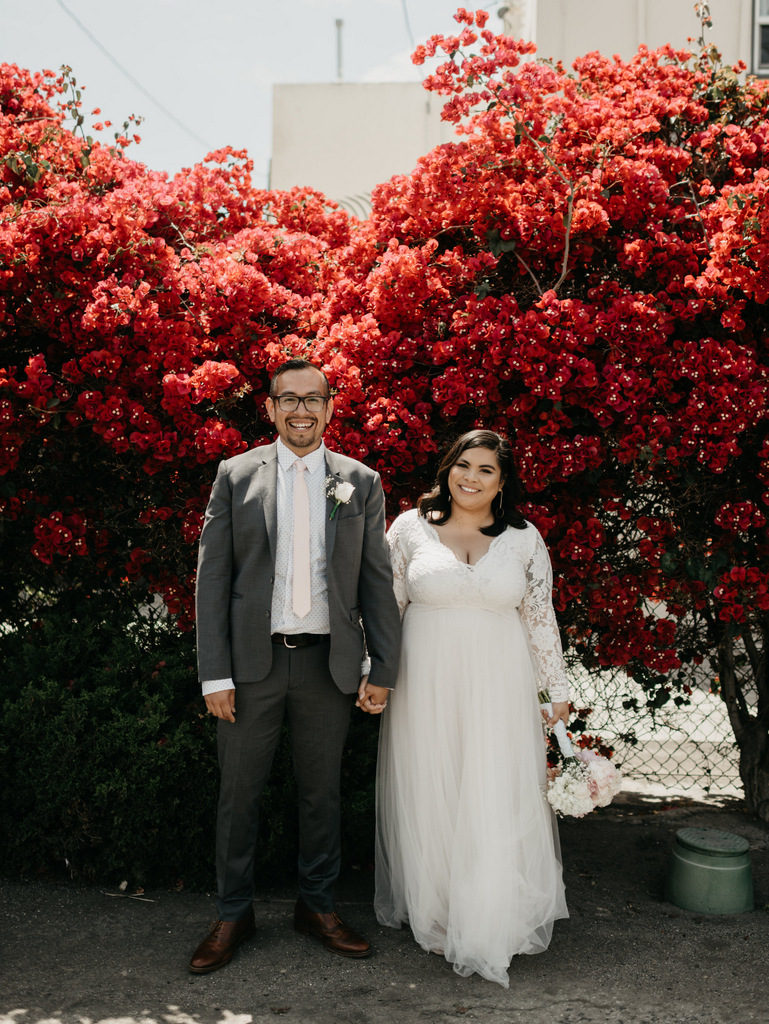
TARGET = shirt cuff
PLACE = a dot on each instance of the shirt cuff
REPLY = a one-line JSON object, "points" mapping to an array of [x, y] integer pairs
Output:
{"points": [[215, 685]]}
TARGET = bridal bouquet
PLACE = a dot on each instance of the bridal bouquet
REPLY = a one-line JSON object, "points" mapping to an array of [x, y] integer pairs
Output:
{"points": [[583, 780]]}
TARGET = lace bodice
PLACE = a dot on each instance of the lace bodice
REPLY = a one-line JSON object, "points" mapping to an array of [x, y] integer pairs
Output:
{"points": [[513, 577]]}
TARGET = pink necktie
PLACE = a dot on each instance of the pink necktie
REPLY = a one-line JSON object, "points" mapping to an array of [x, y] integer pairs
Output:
{"points": [[300, 592]]}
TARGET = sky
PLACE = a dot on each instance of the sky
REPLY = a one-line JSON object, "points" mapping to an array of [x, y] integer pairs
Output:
{"points": [[200, 72]]}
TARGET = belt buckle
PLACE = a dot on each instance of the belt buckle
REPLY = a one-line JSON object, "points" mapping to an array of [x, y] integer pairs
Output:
{"points": [[291, 647]]}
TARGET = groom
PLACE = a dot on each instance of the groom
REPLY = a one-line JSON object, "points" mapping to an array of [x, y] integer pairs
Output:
{"points": [[293, 568]]}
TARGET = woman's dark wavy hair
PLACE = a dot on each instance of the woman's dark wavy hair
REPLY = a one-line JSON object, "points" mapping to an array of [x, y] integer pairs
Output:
{"points": [[438, 500]]}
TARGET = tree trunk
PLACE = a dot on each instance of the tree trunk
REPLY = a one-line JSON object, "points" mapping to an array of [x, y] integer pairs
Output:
{"points": [[750, 724], [754, 768]]}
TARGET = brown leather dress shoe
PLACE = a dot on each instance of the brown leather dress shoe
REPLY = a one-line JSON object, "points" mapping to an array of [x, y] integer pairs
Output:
{"points": [[331, 930], [221, 942]]}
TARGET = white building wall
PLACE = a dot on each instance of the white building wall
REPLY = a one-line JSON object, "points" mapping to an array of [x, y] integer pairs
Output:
{"points": [[566, 29], [343, 138]]}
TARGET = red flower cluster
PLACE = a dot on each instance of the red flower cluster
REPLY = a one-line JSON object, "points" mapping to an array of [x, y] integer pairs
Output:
{"points": [[742, 592], [59, 535]]}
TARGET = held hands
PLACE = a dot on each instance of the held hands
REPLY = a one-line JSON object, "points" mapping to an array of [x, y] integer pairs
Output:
{"points": [[221, 704], [371, 699]]}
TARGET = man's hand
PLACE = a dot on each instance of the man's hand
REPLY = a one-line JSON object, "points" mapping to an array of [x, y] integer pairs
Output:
{"points": [[221, 704], [371, 699]]}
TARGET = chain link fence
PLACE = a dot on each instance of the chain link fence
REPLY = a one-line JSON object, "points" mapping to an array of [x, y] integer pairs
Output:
{"points": [[685, 747]]}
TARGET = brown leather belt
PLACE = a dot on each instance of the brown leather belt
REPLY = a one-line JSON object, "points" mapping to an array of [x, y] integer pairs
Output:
{"points": [[298, 639]]}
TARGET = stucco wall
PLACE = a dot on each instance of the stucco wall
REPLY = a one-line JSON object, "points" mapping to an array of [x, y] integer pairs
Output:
{"points": [[569, 28], [344, 138]]}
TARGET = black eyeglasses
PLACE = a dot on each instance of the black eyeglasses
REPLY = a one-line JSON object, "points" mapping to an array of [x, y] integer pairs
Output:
{"points": [[290, 403]]}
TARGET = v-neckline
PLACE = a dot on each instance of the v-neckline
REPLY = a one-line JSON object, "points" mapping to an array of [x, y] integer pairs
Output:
{"points": [[452, 552]]}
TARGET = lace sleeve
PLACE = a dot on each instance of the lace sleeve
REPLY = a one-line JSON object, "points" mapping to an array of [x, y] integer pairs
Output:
{"points": [[399, 561], [538, 617]]}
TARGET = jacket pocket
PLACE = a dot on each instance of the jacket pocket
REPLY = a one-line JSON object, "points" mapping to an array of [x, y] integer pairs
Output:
{"points": [[345, 514]]}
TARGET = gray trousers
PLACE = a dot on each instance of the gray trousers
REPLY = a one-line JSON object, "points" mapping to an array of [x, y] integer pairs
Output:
{"points": [[299, 685]]}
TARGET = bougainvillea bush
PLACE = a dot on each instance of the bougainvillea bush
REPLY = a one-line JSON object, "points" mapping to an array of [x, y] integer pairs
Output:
{"points": [[138, 316], [139, 319], [584, 269]]}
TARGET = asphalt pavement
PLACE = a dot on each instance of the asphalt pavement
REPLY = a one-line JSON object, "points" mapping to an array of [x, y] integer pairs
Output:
{"points": [[85, 955]]}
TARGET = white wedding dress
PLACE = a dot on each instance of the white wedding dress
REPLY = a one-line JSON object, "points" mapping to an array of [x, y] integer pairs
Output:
{"points": [[467, 849]]}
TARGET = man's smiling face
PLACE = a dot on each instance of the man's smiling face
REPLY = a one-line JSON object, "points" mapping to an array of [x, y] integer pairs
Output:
{"points": [[302, 429]]}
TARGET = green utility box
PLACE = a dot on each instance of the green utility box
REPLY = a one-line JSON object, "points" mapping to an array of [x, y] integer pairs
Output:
{"points": [[710, 872]]}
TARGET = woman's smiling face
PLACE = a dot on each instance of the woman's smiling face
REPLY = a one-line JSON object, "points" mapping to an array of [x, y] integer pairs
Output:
{"points": [[475, 479]]}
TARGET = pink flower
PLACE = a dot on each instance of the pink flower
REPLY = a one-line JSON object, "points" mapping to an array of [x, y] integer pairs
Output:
{"points": [[604, 779]]}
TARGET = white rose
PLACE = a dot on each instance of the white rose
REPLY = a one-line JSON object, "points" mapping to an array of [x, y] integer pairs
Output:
{"points": [[343, 491]]}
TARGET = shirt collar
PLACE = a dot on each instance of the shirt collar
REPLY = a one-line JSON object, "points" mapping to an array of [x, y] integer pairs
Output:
{"points": [[313, 461]]}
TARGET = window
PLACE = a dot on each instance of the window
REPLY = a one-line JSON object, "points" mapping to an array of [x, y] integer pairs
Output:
{"points": [[761, 37]]}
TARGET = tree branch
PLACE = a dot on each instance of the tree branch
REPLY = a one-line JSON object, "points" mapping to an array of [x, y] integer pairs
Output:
{"points": [[529, 271], [730, 691], [567, 239]]}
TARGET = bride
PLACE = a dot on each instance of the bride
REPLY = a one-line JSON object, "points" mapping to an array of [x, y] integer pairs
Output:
{"points": [[467, 850]]}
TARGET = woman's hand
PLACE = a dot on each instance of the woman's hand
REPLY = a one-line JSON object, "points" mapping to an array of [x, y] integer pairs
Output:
{"points": [[560, 713]]}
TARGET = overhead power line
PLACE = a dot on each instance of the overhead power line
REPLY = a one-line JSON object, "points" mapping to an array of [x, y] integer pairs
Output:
{"points": [[405, 6], [135, 82]]}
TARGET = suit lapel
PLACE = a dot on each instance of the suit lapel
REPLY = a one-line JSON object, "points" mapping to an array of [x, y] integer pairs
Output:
{"points": [[265, 491], [334, 470]]}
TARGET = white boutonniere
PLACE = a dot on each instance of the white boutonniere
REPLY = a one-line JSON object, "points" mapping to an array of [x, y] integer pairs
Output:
{"points": [[340, 492]]}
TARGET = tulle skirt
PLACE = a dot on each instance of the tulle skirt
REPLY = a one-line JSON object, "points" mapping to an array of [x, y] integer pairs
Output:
{"points": [[467, 848]]}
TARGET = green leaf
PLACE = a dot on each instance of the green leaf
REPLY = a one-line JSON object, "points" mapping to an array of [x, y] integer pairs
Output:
{"points": [[33, 170], [660, 698], [14, 164], [669, 564]]}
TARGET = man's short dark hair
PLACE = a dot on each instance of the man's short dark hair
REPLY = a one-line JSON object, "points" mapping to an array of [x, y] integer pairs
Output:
{"points": [[298, 364]]}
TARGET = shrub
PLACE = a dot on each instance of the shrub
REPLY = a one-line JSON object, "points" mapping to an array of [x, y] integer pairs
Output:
{"points": [[110, 761]]}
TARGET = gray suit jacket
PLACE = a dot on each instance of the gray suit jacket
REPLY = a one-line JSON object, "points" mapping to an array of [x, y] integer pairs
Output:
{"points": [[236, 570]]}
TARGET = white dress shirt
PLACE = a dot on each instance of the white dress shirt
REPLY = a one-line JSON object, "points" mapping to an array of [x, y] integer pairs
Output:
{"points": [[284, 619]]}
